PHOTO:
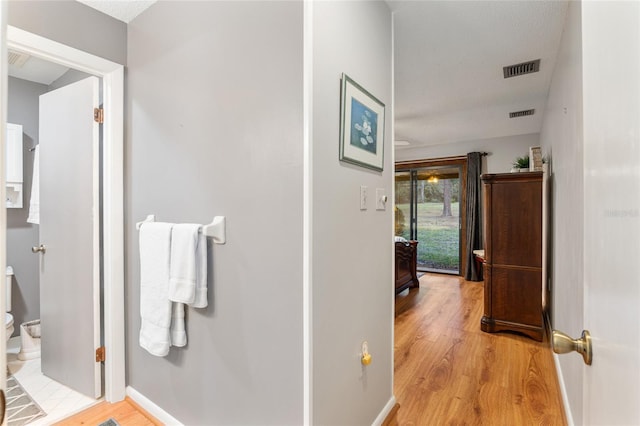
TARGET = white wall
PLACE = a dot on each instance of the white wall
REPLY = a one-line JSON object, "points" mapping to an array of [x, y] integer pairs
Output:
{"points": [[502, 151], [214, 127], [352, 283], [562, 137]]}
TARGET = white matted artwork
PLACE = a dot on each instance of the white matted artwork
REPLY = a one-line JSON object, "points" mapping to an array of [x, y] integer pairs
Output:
{"points": [[361, 126]]}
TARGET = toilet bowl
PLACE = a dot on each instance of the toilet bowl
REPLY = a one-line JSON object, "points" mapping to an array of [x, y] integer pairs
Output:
{"points": [[8, 318]]}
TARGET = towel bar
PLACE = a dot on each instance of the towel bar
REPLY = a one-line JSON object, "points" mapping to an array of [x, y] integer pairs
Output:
{"points": [[216, 229]]}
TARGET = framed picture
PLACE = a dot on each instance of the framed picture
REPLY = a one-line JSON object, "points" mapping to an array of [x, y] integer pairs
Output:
{"points": [[361, 126]]}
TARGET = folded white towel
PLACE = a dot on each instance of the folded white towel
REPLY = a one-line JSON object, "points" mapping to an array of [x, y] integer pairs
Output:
{"points": [[34, 202], [155, 306], [188, 270]]}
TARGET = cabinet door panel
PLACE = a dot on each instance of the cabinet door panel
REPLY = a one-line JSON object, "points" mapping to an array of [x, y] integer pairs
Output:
{"points": [[516, 296], [516, 224]]}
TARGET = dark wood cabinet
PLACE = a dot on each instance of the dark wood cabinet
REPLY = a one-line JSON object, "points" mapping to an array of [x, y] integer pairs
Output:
{"points": [[513, 250], [406, 265]]}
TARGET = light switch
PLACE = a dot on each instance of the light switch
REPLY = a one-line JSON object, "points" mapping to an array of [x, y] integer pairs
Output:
{"points": [[363, 197], [381, 199]]}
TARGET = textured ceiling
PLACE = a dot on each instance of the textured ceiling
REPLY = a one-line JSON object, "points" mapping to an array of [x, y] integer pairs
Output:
{"points": [[449, 84], [123, 10]]}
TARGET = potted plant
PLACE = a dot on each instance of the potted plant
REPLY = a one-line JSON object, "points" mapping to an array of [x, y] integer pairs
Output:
{"points": [[521, 164]]}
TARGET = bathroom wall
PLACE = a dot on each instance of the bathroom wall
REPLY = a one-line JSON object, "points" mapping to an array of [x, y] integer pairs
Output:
{"points": [[351, 261], [21, 236], [502, 151], [214, 127]]}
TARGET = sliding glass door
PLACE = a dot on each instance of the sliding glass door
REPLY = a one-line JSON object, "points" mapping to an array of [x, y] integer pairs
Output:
{"points": [[428, 210]]}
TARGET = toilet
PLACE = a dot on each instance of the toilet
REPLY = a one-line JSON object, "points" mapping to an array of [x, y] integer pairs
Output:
{"points": [[8, 318]]}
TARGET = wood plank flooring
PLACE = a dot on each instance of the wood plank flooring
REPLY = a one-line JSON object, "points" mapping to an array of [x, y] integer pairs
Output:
{"points": [[126, 413], [449, 372]]}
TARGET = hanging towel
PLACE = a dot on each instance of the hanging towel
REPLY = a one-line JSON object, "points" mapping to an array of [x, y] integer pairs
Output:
{"points": [[155, 306], [188, 271], [178, 331], [34, 203]]}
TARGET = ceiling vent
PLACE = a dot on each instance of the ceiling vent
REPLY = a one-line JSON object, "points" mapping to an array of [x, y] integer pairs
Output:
{"points": [[17, 58], [524, 113], [521, 69]]}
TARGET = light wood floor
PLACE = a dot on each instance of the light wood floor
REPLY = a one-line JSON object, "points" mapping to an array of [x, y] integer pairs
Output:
{"points": [[124, 412], [449, 372]]}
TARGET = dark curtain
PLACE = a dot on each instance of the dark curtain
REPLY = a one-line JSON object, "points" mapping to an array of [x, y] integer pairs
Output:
{"points": [[474, 214]]}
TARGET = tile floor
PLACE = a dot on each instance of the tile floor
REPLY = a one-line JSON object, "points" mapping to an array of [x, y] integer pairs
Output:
{"points": [[57, 400]]}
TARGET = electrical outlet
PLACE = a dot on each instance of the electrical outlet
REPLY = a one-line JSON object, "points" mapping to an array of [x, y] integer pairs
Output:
{"points": [[381, 199], [363, 197]]}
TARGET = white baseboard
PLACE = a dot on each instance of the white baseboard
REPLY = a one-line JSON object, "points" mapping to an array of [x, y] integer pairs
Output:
{"points": [[563, 391], [152, 408], [385, 412]]}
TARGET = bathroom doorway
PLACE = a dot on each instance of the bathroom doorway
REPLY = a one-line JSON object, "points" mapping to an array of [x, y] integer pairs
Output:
{"points": [[112, 165]]}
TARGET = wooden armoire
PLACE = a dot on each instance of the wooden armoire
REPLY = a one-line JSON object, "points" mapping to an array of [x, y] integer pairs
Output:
{"points": [[513, 251]]}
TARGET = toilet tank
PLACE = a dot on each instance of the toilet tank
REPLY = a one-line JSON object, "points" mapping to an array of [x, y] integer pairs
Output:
{"points": [[9, 285]]}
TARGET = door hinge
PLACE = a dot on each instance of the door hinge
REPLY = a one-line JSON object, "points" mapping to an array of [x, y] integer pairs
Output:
{"points": [[98, 115], [100, 354]]}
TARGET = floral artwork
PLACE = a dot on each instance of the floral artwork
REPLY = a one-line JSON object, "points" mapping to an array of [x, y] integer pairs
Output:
{"points": [[363, 134], [361, 126]]}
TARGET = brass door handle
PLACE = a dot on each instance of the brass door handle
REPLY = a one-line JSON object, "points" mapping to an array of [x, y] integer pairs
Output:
{"points": [[563, 344], [40, 248]]}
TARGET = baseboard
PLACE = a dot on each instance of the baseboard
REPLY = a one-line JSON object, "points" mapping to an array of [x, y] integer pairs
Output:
{"points": [[563, 391], [152, 408], [385, 412]]}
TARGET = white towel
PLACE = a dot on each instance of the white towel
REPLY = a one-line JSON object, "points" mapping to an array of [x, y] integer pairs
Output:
{"points": [[178, 331], [34, 203], [188, 271], [155, 306]]}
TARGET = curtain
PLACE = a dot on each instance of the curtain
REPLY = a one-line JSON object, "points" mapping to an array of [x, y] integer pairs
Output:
{"points": [[474, 214]]}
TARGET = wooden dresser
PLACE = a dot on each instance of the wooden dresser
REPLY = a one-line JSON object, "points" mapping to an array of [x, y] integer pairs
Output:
{"points": [[513, 245]]}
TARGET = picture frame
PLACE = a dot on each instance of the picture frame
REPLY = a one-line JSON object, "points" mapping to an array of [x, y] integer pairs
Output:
{"points": [[362, 120]]}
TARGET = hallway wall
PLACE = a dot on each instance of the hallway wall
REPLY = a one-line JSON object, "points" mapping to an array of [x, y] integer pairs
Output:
{"points": [[214, 127], [562, 138], [74, 24], [352, 281]]}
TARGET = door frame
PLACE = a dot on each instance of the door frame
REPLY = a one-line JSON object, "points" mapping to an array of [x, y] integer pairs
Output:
{"points": [[112, 75]]}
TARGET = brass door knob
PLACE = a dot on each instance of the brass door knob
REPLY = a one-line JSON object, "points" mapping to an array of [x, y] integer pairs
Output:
{"points": [[563, 344]]}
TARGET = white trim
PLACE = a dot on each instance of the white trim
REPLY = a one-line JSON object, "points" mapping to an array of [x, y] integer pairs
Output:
{"points": [[385, 412], [563, 391], [113, 212], [392, 278], [3, 211], [151, 407], [307, 248], [97, 373]]}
